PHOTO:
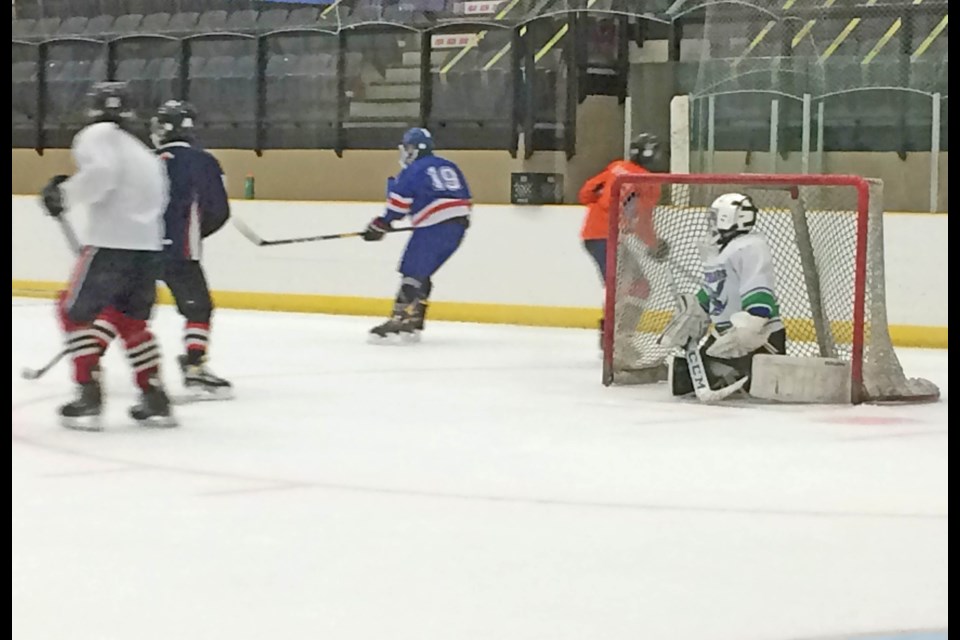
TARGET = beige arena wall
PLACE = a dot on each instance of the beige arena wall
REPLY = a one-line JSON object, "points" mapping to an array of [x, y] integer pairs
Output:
{"points": [[361, 175]]}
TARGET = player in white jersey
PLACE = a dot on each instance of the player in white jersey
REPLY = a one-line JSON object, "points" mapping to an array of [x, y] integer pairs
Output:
{"points": [[123, 186], [738, 297]]}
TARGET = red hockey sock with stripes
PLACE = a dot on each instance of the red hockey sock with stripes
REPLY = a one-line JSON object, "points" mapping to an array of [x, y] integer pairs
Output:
{"points": [[142, 350], [196, 337]]}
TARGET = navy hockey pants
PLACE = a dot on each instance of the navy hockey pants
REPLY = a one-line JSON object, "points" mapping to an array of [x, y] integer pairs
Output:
{"points": [[598, 251], [430, 247], [120, 278], [187, 283]]}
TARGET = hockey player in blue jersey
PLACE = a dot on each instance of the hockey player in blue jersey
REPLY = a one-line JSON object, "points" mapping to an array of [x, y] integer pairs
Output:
{"points": [[433, 195]]}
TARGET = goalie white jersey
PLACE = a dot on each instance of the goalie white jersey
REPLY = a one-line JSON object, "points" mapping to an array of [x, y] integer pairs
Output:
{"points": [[739, 276]]}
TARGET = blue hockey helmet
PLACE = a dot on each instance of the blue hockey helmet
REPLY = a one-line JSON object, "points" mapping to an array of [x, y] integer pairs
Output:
{"points": [[416, 143], [173, 122], [108, 102]]}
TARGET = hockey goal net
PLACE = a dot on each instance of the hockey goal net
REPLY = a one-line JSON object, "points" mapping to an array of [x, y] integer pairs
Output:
{"points": [[826, 235]]}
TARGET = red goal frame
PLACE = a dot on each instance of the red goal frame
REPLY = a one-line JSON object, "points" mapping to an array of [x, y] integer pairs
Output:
{"points": [[785, 181]]}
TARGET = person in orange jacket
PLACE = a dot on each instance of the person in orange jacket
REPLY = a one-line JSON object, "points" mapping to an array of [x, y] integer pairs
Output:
{"points": [[636, 222]]}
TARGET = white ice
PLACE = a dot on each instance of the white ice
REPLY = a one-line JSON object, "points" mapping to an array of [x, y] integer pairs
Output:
{"points": [[482, 485]]}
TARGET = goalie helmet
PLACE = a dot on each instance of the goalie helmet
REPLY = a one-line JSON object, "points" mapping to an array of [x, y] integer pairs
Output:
{"points": [[416, 143], [108, 102], [173, 122], [644, 150], [730, 215]]}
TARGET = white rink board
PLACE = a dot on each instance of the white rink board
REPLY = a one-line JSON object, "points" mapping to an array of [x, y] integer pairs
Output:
{"points": [[512, 255]]}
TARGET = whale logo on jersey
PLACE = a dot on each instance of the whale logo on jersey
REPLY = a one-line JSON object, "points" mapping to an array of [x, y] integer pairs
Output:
{"points": [[713, 283]]}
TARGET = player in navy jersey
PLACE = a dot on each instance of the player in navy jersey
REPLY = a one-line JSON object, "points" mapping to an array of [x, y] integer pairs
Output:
{"points": [[433, 195], [197, 208]]}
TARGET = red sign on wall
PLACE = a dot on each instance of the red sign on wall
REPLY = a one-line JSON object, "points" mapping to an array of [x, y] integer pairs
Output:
{"points": [[453, 40], [480, 7]]}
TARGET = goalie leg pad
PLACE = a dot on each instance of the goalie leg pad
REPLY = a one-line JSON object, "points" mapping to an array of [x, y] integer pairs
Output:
{"points": [[801, 380], [678, 375], [721, 374], [776, 342], [748, 334]]}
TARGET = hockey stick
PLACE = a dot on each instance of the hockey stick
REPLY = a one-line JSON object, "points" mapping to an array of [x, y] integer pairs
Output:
{"points": [[69, 234], [32, 374], [28, 373], [252, 236]]}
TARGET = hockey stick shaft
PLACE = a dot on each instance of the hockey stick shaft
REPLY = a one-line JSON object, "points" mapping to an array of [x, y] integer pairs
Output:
{"points": [[69, 234], [253, 237]]}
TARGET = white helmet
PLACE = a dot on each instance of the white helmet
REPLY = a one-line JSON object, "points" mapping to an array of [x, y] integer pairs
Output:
{"points": [[731, 215]]}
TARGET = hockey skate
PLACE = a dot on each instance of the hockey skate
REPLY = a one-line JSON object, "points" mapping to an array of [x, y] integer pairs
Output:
{"points": [[398, 329], [201, 383], [83, 414], [417, 322], [153, 410], [420, 316]]}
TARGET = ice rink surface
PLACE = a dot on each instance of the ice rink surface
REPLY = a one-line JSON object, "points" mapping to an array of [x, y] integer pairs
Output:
{"points": [[482, 485]]}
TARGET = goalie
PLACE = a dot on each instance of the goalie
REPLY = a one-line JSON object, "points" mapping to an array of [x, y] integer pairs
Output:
{"points": [[738, 297]]}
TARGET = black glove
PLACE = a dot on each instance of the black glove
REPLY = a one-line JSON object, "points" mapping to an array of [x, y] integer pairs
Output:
{"points": [[375, 231], [660, 251], [52, 196]]}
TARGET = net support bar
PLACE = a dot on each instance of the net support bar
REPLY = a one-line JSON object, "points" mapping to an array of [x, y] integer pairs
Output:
{"points": [[711, 131], [679, 137], [774, 131], [628, 125], [805, 136], [935, 154], [820, 116]]}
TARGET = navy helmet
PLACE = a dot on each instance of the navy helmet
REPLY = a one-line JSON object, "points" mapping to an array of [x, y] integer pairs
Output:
{"points": [[108, 102], [173, 122], [416, 143], [645, 150]]}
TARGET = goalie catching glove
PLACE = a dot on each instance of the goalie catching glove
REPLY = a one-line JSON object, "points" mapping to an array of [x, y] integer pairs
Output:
{"points": [[747, 334], [375, 231], [690, 322], [52, 196]]}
